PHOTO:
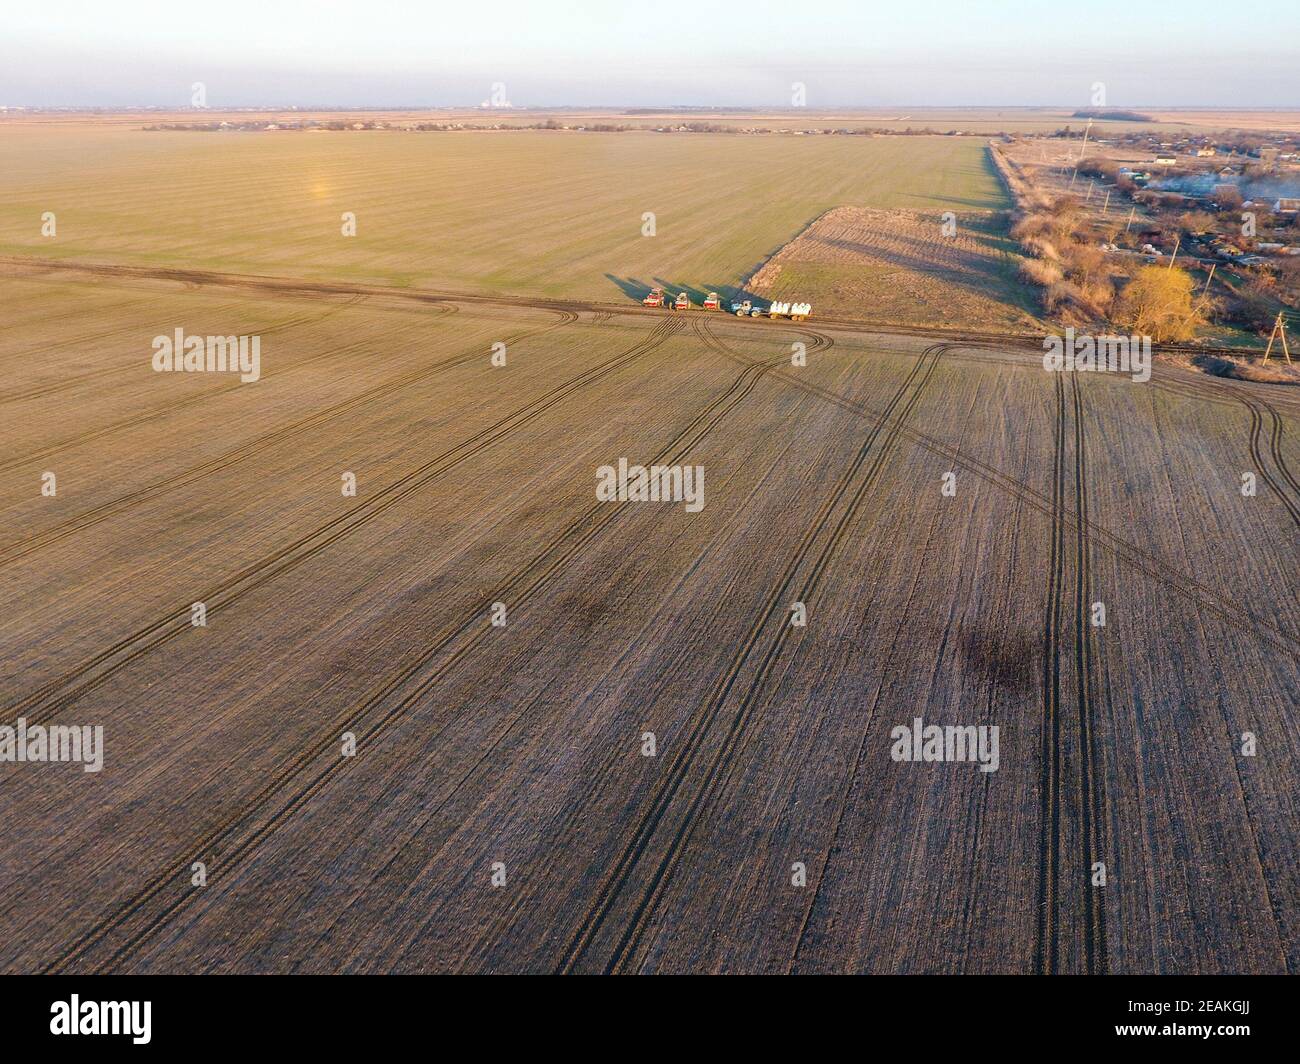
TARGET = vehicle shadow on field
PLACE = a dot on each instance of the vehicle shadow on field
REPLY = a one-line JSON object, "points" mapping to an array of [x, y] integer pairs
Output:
{"points": [[638, 290], [630, 287]]}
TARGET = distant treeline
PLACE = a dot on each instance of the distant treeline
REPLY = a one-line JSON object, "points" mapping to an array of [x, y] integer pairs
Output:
{"points": [[341, 125], [1114, 116]]}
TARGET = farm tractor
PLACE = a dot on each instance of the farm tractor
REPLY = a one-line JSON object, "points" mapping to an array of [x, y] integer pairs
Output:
{"points": [[746, 310]]}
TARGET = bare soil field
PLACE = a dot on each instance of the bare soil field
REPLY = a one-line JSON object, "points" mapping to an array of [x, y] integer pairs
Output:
{"points": [[500, 809], [904, 266]]}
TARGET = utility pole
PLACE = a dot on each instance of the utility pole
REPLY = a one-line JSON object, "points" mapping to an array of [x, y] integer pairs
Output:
{"points": [[1091, 186], [1177, 240], [1084, 146], [1132, 211], [1205, 293], [1105, 207], [1279, 329]]}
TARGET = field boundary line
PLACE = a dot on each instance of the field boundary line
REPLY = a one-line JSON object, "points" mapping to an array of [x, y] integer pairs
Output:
{"points": [[307, 287]]}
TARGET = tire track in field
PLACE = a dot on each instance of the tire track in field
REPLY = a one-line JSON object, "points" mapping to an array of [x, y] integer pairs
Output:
{"points": [[675, 777], [43, 352], [39, 392], [235, 455], [1194, 590], [851, 784], [1275, 443], [1092, 782], [1211, 653], [101, 334], [1049, 786], [726, 757], [1275, 452], [57, 694], [517, 589], [1217, 390], [1290, 499], [153, 415], [519, 899], [736, 738], [822, 341], [705, 334]]}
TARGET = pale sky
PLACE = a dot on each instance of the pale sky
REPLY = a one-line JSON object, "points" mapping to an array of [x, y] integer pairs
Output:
{"points": [[382, 53]]}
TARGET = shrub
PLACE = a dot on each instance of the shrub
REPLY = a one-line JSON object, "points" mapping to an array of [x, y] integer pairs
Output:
{"points": [[1158, 303], [1040, 272]]}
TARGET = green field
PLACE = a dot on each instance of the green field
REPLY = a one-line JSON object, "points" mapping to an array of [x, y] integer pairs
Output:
{"points": [[529, 212]]}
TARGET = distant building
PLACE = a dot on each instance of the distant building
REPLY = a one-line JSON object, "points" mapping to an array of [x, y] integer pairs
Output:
{"points": [[1165, 160], [1206, 151], [1286, 205]]}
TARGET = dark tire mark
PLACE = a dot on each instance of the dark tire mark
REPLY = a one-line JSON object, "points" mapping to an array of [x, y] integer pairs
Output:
{"points": [[1049, 843], [1092, 783]]}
